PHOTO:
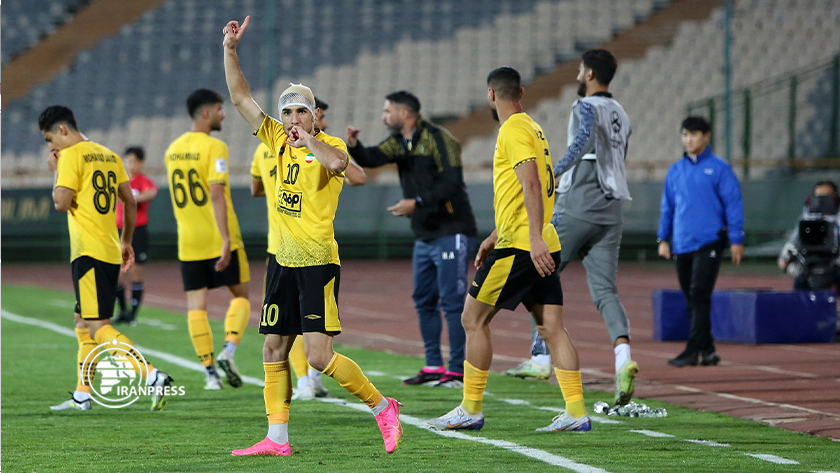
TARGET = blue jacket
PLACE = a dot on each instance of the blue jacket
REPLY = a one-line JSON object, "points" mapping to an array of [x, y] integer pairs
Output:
{"points": [[699, 200]]}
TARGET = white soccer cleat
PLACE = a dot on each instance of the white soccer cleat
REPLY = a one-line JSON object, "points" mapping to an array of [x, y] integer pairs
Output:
{"points": [[226, 363], [304, 394], [162, 381], [457, 419], [72, 405], [213, 383], [318, 386]]}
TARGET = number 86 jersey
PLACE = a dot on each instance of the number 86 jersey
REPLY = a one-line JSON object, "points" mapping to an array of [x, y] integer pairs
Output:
{"points": [[307, 198], [195, 161], [94, 172]]}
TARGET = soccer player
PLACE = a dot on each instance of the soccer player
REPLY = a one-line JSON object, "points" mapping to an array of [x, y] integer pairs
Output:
{"points": [[301, 294], [587, 214], [518, 262], [144, 190], [264, 176], [210, 244], [89, 178]]}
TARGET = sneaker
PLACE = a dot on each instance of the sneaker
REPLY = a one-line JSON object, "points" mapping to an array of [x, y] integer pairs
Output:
{"points": [[531, 369], [568, 423], [304, 394], [425, 377], [712, 359], [685, 358], [159, 397], [265, 447], [389, 424], [226, 363], [456, 419], [318, 386], [72, 405], [213, 383], [625, 382], [451, 380]]}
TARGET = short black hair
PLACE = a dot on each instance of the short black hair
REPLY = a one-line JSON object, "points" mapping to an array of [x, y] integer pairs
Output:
{"points": [[602, 63], [136, 151], [832, 184], [200, 98], [322, 105], [406, 98], [55, 114], [506, 82], [696, 123]]}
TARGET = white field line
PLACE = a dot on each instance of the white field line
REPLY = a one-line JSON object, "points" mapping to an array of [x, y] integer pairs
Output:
{"points": [[157, 323], [651, 433], [756, 401], [543, 456], [593, 418], [772, 459], [709, 443]]}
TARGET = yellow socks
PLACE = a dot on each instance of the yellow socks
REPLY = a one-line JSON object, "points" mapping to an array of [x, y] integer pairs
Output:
{"points": [[350, 377], [572, 389], [277, 392], [107, 333], [236, 320], [202, 337], [475, 380], [297, 357], [86, 371]]}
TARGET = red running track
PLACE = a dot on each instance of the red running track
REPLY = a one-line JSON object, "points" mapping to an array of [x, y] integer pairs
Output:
{"points": [[796, 387]]}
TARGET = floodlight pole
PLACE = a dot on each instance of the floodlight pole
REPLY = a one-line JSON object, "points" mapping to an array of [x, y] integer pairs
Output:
{"points": [[727, 77]]}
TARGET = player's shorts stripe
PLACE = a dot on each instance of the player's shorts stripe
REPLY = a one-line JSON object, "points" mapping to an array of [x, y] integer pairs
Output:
{"points": [[88, 297], [331, 322], [493, 284]]}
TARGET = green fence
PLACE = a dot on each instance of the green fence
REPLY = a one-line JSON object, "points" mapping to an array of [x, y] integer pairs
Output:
{"points": [[33, 231], [793, 116]]}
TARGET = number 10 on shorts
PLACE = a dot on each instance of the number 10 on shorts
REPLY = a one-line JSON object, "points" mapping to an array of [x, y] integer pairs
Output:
{"points": [[270, 314]]}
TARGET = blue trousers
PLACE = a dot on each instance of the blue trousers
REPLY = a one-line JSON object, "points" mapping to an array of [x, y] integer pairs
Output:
{"points": [[440, 284]]}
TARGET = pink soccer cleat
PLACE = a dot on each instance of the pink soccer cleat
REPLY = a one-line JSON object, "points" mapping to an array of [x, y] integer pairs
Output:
{"points": [[265, 447], [389, 424]]}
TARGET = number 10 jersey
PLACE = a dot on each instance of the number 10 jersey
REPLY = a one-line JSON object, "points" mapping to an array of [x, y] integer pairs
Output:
{"points": [[194, 161]]}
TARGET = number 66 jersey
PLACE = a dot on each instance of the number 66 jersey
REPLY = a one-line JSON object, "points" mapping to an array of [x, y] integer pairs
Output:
{"points": [[94, 172], [195, 161], [307, 198]]}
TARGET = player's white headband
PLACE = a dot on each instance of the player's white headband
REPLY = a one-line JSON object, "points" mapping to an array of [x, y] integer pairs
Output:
{"points": [[297, 95]]}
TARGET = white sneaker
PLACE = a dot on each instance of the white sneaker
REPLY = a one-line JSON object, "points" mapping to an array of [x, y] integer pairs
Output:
{"points": [[162, 381], [72, 405], [304, 394], [225, 362], [213, 383], [318, 386]]}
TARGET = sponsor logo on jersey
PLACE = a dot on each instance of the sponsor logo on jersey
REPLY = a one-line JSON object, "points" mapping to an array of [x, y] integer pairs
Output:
{"points": [[289, 202]]}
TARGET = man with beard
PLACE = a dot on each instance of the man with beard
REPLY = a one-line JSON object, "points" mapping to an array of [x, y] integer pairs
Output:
{"points": [[587, 213], [428, 160], [517, 263], [210, 245], [302, 281]]}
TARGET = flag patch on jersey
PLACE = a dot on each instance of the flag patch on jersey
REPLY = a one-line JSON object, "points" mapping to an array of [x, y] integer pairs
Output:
{"points": [[310, 157], [221, 165]]}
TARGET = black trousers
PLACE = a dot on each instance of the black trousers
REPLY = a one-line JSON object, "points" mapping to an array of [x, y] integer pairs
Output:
{"points": [[697, 272]]}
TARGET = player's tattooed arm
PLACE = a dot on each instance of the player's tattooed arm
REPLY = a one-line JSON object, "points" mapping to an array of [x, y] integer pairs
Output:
{"points": [[240, 93]]}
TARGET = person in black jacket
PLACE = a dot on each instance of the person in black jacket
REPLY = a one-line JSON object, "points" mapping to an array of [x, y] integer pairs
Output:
{"points": [[428, 160]]}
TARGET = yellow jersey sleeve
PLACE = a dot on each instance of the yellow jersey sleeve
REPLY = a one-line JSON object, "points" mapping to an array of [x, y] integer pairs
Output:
{"points": [[68, 170], [271, 133], [255, 164], [218, 165], [517, 144]]}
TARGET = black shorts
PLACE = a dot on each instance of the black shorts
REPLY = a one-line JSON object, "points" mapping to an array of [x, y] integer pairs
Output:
{"points": [[509, 277], [140, 243], [299, 300], [95, 283], [202, 274]]}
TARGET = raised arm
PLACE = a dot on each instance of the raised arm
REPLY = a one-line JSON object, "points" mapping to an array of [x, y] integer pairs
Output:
{"points": [[240, 93]]}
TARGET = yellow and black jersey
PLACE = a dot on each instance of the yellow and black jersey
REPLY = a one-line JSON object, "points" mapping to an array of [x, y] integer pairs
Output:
{"points": [[194, 161], [94, 172], [306, 199], [264, 168], [520, 140]]}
